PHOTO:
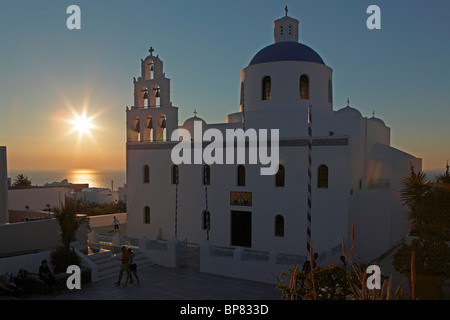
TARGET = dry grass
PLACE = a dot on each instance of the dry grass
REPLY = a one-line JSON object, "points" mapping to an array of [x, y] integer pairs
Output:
{"points": [[303, 286]]}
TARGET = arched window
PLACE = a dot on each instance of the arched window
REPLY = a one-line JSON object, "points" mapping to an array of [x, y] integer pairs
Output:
{"points": [[241, 175], [304, 87], [146, 174], [279, 177], [330, 92], [266, 90], [322, 176], [206, 220], [279, 226], [147, 215], [206, 175], [175, 175]]}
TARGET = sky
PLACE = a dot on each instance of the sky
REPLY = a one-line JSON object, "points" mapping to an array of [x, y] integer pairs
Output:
{"points": [[49, 74]]}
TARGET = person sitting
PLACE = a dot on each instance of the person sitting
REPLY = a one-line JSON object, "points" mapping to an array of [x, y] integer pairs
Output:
{"points": [[4, 286], [46, 275]]}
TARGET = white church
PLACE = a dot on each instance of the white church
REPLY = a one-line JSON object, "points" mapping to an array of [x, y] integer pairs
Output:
{"points": [[355, 172]]}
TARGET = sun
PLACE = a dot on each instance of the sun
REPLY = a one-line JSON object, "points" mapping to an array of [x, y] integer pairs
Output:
{"points": [[82, 124]]}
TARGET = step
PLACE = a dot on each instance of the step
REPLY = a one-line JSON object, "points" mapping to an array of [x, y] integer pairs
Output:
{"points": [[109, 264]]}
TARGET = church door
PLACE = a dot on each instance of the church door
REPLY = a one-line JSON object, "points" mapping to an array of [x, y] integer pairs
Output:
{"points": [[241, 228]]}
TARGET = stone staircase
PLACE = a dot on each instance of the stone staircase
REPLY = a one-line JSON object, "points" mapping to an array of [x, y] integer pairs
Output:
{"points": [[108, 262]]}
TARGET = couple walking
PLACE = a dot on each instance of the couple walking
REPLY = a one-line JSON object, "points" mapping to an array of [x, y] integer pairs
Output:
{"points": [[128, 266]]}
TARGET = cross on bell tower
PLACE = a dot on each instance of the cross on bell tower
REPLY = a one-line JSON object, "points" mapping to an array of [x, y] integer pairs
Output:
{"points": [[285, 28], [151, 50]]}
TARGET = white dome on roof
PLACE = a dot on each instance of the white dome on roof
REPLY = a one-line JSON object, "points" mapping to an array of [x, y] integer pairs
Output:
{"points": [[349, 111], [189, 124], [377, 120]]}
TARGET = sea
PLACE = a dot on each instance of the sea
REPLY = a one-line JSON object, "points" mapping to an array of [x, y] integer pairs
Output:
{"points": [[103, 179], [95, 178]]}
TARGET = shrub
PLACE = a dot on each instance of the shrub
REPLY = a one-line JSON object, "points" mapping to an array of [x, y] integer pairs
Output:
{"points": [[432, 258], [62, 258]]}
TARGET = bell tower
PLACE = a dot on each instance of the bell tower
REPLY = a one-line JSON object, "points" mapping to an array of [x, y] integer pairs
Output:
{"points": [[285, 29], [152, 118]]}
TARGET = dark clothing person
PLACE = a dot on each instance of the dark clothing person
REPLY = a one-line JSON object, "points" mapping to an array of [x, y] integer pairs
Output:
{"points": [[46, 275], [132, 269], [124, 266]]}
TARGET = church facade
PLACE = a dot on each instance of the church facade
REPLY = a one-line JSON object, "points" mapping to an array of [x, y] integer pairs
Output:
{"points": [[355, 172]]}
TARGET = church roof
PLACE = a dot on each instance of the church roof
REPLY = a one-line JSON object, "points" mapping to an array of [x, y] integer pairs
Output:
{"points": [[286, 51], [349, 111], [377, 120], [190, 122]]}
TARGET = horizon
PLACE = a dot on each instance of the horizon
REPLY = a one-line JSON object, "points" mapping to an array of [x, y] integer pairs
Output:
{"points": [[54, 79]]}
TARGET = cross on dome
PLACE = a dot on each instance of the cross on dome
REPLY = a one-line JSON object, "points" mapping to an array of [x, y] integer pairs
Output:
{"points": [[286, 9], [195, 113]]}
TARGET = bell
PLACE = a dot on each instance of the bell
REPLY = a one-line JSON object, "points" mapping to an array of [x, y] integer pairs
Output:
{"points": [[145, 95], [157, 95], [163, 124], [150, 124], [152, 67], [138, 127]]}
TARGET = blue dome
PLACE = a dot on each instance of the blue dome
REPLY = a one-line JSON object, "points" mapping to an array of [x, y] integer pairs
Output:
{"points": [[286, 51]]}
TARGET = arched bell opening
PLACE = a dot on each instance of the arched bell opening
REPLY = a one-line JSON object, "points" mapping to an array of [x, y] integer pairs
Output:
{"points": [[150, 69], [142, 96], [135, 129], [148, 128], [161, 127], [155, 96]]}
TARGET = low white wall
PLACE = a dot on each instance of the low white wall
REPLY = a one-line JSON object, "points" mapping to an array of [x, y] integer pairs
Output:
{"points": [[236, 266], [26, 237], [107, 219], [165, 257], [164, 254], [30, 262], [158, 255], [88, 263], [36, 198]]}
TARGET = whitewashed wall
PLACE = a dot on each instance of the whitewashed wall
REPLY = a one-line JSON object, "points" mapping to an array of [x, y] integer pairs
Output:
{"points": [[23, 237], [36, 198]]}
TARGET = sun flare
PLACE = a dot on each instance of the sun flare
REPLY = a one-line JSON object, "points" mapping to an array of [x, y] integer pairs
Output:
{"points": [[82, 124]]}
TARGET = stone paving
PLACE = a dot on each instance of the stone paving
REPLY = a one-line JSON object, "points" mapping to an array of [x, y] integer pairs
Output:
{"points": [[164, 283]]}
